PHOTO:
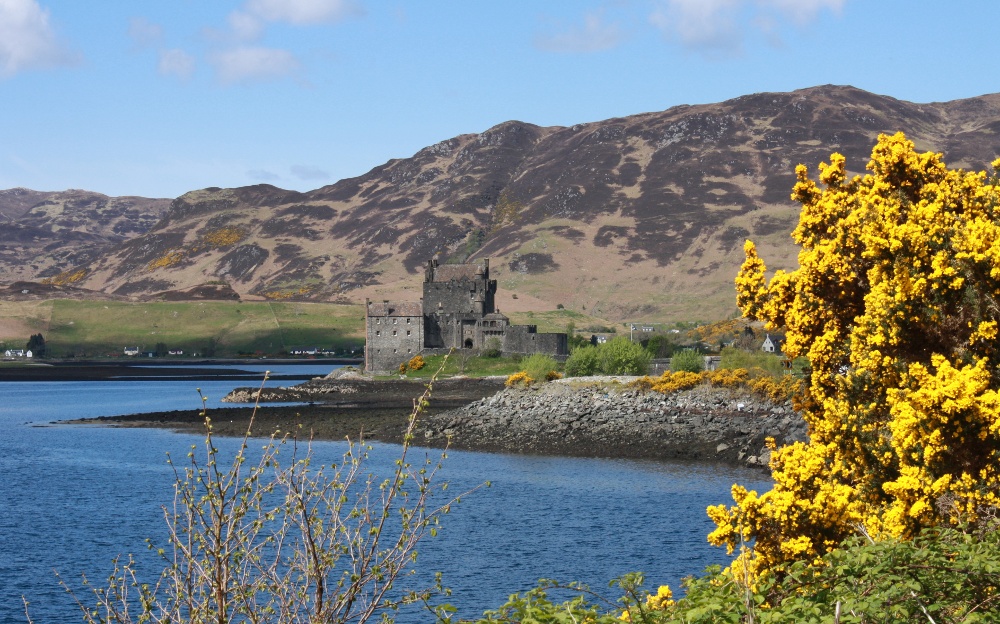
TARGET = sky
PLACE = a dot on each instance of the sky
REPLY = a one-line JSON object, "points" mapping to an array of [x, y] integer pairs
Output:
{"points": [[160, 97]]}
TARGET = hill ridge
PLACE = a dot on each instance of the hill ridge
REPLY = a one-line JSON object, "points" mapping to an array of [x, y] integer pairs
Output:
{"points": [[641, 216]]}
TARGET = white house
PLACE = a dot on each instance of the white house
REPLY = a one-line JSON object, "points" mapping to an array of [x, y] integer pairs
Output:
{"points": [[131, 350], [768, 345]]}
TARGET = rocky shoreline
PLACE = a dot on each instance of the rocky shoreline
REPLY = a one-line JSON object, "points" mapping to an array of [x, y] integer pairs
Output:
{"points": [[588, 417], [346, 390], [584, 417], [600, 419]]}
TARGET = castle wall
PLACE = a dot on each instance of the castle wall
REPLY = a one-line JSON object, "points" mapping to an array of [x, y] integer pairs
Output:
{"points": [[525, 340], [445, 331], [394, 334]]}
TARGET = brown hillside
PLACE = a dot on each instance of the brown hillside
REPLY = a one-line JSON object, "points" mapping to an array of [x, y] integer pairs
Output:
{"points": [[44, 235], [639, 218]]}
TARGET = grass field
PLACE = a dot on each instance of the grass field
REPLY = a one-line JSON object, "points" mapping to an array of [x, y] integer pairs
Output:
{"points": [[219, 328], [557, 320], [75, 328]]}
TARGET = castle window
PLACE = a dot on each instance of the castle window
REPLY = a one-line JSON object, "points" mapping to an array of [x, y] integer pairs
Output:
{"points": [[378, 333], [393, 321], [407, 321], [378, 321], [394, 350], [407, 332], [394, 332]]}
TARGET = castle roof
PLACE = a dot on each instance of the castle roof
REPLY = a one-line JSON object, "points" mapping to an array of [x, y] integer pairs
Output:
{"points": [[448, 272], [395, 308]]}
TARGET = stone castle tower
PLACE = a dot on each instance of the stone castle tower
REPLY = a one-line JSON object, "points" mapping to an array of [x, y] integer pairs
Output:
{"points": [[458, 311]]}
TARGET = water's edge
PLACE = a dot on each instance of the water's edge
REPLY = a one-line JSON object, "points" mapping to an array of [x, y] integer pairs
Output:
{"points": [[577, 419]]}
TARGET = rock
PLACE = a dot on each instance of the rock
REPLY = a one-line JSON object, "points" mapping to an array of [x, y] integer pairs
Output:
{"points": [[560, 418]]}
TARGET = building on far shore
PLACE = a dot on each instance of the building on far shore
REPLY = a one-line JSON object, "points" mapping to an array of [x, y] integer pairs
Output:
{"points": [[458, 311]]}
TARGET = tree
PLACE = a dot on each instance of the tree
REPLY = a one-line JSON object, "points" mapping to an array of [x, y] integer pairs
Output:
{"points": [[621, 356], [582, 362], [896, 303], [687, 360], [284, 541], [540, 367], [36, 344], [660, 346], [210, 347], [492, 348], [572, 339]]}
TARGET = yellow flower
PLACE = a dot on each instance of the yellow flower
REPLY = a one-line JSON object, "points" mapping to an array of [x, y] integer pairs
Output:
{"points": [[662, 599], [893, 302]]}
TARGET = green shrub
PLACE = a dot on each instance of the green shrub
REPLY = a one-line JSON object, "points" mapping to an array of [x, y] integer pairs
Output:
{"points": [[733, 357], [623, 357], [942, 575], [583, 361], [538, 366], [660, 346], [687, 360], [493, 348]]}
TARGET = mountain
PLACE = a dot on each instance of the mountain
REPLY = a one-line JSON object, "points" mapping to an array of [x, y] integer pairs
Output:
{"points": [[639, 217], [46, 235]]}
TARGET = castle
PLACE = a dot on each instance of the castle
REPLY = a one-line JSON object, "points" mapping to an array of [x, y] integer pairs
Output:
{"points": [[457, 311]]}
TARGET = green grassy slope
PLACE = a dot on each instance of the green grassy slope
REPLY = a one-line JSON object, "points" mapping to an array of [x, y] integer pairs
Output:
{"points": [[98, 328]]}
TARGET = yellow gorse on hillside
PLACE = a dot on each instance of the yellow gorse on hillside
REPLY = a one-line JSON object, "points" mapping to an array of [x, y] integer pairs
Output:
{"points": [[896, 303]]}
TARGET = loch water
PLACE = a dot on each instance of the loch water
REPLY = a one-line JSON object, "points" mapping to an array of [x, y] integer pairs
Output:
{"points": [[73, 497]]}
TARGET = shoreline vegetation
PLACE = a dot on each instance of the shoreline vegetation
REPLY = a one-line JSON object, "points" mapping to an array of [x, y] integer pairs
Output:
{"points": [[605, 417]]}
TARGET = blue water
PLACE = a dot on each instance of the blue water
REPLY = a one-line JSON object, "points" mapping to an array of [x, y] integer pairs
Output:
{"points": [[74, 497]]}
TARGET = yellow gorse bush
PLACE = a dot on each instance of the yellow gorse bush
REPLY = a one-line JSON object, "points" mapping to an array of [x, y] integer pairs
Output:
{"points": [[66, 277], [895, 304], [171, 257], [222, 237], [662, 599], [519, 378], [775, 389]]}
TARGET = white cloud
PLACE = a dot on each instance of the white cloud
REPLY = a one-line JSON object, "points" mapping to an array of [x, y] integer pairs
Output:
{"points": [[27, 40], [248, 64], [241, 62], [144, 33], [708, 25], [303, 12], [177, 63], [263, 175], [304, 172], [803, 11], [717, 27], [245, 26], [593, 35]]}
